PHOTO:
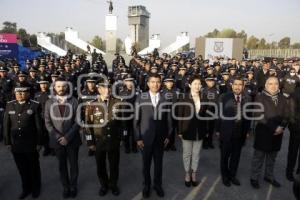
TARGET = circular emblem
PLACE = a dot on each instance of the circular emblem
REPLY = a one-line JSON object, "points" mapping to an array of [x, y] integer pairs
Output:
{"points": [[29, 112], [101, 120]]}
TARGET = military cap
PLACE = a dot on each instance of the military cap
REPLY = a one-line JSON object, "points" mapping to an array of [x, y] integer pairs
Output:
{"points": [[43, 80], [225, 73], [22, 87], [103, 83], [169, 78], [91, 79], [128, 77], [210, 78], [22, 73], [3, 69], [33, 69]]}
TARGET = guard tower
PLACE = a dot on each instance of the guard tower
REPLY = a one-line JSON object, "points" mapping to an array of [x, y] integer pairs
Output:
{"points": [[138, 19]]}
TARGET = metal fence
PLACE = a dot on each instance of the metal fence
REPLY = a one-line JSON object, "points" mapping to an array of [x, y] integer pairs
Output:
{"points": [[279, 53]]}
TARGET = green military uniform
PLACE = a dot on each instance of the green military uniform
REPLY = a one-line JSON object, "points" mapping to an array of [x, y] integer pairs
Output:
{"points": [[106, 136]]}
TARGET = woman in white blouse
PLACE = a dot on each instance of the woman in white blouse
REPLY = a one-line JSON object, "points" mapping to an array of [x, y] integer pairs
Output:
{"points": [[192, 127]]}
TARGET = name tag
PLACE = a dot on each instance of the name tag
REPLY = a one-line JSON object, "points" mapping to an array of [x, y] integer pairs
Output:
{"points": [[12, 112], [88, 137]]}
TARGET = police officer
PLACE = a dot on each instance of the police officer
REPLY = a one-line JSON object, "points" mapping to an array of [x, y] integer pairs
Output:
{"points": [[23, 135], [88, 93], [6, 84], [42, 96], [211, 93], [289, 83], [104, 137], [224, 83], [170, 93], [128, 94], [250, 84]]}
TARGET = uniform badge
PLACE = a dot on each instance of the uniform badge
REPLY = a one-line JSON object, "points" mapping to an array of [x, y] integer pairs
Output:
{"points": [[12, 112], [101, 120], [29, 112]]}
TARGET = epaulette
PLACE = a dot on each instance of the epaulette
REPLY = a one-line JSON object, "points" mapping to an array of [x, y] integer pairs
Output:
{"points": [[34, 101], [11, 101]]}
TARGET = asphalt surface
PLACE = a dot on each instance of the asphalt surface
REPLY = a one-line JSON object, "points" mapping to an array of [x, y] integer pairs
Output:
{"points": [[130, 183]]}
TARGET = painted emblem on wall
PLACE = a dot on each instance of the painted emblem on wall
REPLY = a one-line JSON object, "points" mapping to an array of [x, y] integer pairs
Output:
{"points": [[219, 47]]}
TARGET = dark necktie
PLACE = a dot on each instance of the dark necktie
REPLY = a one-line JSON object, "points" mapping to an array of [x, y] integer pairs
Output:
{"points": [[238, 100]]}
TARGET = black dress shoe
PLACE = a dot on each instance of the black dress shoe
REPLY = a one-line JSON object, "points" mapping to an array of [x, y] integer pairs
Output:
{"points": [[46, 152], [205, 147], [24, 194], [188, 183], [290, 177], [127, 151], [211, 146], [115, 190], [134, 150], [254, 184], [173, 148], [91, 153], [159, 191], [103, 191], [36, 194], [52, 152], [66, 193], [273, 182], [146, 192], [235, 181], [195, 183], [73, 193], [226, 182]]}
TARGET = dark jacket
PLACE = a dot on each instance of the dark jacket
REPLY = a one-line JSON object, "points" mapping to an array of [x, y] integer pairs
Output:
{"points": [[65, 125], [228, 124], [146, 126], [194, 128], [294, 117], [107, 127], [273, 116], [22, 126]]}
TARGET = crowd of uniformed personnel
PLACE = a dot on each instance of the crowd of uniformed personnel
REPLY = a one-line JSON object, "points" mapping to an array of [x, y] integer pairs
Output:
{"points": [[217, 76]]}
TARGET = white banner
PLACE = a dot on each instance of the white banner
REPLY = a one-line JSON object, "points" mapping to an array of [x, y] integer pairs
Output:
{"points": [[221, 47]]}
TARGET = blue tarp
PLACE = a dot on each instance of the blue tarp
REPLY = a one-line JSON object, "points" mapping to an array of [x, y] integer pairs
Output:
{"points": [[25, 53]]}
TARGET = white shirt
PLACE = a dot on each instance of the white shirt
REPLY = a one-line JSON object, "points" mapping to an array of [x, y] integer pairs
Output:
{"points": [[154, 98], [61, 99], [196, 99]]}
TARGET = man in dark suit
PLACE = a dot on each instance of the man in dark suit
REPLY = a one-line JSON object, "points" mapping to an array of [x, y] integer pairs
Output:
{"points": [[23, 135], [153, 127], [60, 121], [232, 127]]}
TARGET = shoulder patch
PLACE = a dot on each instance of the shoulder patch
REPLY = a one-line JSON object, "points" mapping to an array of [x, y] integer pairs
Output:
{"points": [[34, 101], [12, 101]]}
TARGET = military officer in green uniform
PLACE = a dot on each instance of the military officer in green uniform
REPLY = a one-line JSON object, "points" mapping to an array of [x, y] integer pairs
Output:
{"points": [[103, 135]]}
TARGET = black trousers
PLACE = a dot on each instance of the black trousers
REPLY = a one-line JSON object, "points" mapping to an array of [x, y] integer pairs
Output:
{"points": [[28, 165], [129, 140], [293, 153], [208, 140], [172, 138], [65, 155], [230, 157], [113, 157], [155, 152]]}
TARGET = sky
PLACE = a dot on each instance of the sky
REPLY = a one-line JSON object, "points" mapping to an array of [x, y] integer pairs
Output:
{"points": [[270, 19]]}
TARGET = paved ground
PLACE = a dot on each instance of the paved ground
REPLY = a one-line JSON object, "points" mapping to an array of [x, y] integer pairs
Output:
{"points": [[131, 178]]}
